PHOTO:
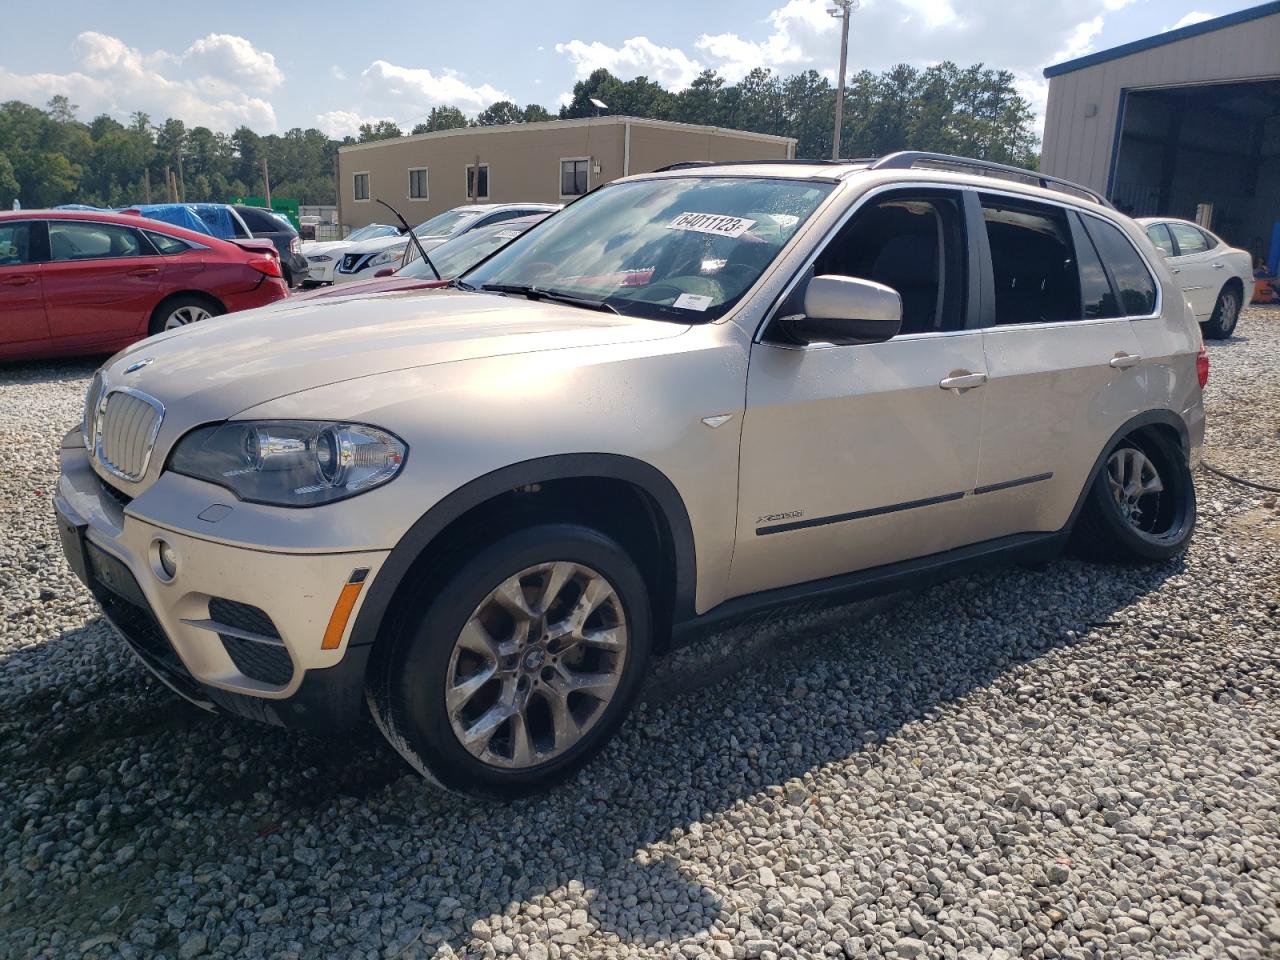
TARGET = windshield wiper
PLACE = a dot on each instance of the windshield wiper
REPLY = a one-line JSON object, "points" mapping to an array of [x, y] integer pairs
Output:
{"points": [[412, 236], [530, 292], [457, 283]]}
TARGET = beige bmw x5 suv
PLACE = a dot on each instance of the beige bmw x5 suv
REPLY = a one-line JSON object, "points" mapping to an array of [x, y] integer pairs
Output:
{"points": [[477, 513]]}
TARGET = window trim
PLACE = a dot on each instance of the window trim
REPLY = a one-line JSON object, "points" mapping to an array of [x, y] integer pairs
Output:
{"points": [[560, 179], [466, 184], [426, 184], [145, 249], [368, 186]]}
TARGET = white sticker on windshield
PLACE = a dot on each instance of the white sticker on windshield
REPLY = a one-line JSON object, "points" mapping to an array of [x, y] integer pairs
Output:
{"points": [[693, 301], [507, 234], [713, 223]]}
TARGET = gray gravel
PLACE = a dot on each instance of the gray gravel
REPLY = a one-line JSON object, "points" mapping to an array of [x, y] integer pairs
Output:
{"points": [[1074, 761]]}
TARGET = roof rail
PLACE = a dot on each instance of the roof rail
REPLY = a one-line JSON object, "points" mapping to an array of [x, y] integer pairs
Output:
{"points": [[906, 159], [687, 164]]}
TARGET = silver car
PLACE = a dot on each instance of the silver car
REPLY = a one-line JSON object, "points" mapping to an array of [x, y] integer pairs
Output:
{"points": [[690, 396]]}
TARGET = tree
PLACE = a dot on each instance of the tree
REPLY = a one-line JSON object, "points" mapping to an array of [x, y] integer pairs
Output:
{"points": [[9, 188], [536, 113], [442, 118], [382, 130], [503, 111]]}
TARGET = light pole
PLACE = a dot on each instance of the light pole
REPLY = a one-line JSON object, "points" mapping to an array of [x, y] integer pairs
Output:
{"points": [[841, 12]]}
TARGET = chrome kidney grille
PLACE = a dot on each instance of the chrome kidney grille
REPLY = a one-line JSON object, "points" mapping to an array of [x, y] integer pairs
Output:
{"points": [[122, 431]]}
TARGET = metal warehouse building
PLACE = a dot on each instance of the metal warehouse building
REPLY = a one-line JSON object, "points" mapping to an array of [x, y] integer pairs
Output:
{"points": [[1186, 124], [550, 162]]}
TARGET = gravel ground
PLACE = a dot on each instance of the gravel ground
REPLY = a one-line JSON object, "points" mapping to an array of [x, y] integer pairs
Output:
{"points": [[1073, 761]]}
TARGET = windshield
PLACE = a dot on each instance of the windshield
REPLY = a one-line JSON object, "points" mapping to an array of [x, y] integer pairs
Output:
{"points": [[372, 232], [462, 252], [681, 248], [443, 224]]}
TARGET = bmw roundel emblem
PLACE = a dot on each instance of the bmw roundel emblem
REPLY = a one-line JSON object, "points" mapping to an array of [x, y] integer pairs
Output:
{"points": [[139, 364]]}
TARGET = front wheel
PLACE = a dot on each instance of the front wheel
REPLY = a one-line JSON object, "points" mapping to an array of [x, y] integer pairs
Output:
{"points": [[1141, 506], [521, 667], [1226, 314]]}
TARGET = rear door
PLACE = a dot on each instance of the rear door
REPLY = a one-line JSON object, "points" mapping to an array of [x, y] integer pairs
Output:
{"points": [[857, 456], [1064, 362], [101, 282], [24, 328], [1196, 267]]}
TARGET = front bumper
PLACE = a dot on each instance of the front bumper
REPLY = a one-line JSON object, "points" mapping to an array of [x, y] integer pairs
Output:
{"points": [[238, 628]]}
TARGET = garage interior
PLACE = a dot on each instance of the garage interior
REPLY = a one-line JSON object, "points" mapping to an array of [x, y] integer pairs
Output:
{"points": [[1207, 152]]}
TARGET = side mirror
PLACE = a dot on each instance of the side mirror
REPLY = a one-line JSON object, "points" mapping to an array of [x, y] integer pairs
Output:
{"points": [[846, 310], [384, 272]]}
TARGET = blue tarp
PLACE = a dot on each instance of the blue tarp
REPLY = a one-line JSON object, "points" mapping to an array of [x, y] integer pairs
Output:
{"points": [[178, 214]]}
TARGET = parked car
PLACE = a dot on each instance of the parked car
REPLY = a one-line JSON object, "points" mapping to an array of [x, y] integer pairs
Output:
{"points": [[323, 256], [79, 282], [265, 224], [691, 396], [450, 259], [1216, 278], [364, 260]]}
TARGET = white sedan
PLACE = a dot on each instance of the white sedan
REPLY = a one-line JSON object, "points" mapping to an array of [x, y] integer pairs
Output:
{"points": [[368, 259], [323, 256], [1217, 279]]}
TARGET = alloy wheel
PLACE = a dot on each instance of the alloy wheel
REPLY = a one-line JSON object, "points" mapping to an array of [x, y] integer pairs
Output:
{"points": [[185, 315], [1230, 312], [536, 665], [1135, 486]]}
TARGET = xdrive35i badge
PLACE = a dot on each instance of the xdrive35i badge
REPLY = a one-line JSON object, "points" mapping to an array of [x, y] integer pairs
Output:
{"points": [[775, 517], [139, 364]]}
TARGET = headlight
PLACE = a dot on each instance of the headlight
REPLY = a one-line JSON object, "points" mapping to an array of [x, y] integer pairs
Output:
{"points": [[290, 463], [319, 258], [388, 256]]}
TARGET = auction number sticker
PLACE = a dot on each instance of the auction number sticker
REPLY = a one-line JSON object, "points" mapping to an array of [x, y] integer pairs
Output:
{"points": [[713, 223], [692, 301]]}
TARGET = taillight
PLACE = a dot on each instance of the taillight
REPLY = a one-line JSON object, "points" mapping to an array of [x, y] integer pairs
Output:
{"points": [[1202, 366], [266, 265]]}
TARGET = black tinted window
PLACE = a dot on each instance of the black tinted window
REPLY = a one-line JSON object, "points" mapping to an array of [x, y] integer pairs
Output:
{"points": [[1096, 295], [15, 242], [1133, 281], [1033, 262], [166, 244], [259, 221]]}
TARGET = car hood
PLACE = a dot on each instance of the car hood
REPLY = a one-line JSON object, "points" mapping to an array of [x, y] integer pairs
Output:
{"points": [[216, 368], [362, 288]]}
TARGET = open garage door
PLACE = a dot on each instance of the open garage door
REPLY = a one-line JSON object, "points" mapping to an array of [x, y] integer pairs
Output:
{"points": [[1208, 152]]}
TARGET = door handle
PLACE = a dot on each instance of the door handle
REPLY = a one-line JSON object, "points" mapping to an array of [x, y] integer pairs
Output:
{"points": [[1123, 361], [962, 380], [1219, 266], [18, 281], [145, 272], [1177, 270]]}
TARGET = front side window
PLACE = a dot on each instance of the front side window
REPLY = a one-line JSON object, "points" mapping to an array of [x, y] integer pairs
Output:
{"points": [[15, 243], [1190, 240], [418, 184], [1158, 233], [1033, 263], [684, 248], [477, 181], [360, 183], [573, 177], [166, 244], [1133, 281], [83, 240]]}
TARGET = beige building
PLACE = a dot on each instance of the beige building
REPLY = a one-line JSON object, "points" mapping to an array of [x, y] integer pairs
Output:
{"points": [[550, 162], [1180, 123]]}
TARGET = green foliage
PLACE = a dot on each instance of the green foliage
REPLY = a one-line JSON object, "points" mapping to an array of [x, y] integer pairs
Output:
{"points": [[49, 156]]}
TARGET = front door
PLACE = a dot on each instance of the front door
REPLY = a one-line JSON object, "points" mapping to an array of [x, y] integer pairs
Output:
{"points": [[858, 456], [24, 329]]}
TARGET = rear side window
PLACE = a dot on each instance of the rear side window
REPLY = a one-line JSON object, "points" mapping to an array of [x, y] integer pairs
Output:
{"points": [[1098, 299], [259, 221], [1033, 263], [1190, 240], [15, 243], [166, 244], [85, 240], [1133, 281], [1158, 233]]}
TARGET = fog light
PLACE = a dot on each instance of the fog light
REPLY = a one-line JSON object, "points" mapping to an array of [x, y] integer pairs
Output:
{"points": [[165, 561]]}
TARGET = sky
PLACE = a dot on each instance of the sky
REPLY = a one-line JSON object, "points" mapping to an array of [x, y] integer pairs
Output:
{"points": [[334, 65]]}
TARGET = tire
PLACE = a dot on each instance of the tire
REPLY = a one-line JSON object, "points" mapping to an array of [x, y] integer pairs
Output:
{"points": [[1124, 520], [472, 611], [1226, 314], [180, 310]]}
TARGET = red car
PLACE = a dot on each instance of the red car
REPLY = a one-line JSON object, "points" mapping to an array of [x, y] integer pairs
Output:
{"points": [[77, 282]]}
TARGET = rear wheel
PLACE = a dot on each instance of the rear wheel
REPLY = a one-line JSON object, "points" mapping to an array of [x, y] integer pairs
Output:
{"points": [[1226, 314], [521, 667], [179, 311], [1142, 504]]}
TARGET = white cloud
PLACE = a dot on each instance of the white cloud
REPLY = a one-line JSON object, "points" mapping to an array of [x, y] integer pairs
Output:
{"points": [[405, 95], [1195, 16], [637, 57], [337, 73], [219, 81], [340, 123]]}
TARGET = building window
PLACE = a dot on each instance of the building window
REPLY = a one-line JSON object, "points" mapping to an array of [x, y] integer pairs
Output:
{"points": [[361, 186], [574, 177], [418, 183], [483, 192]]}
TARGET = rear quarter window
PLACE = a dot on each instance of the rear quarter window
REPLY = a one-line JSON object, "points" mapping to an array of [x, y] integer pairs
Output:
{"points": [[1134, 284]]}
